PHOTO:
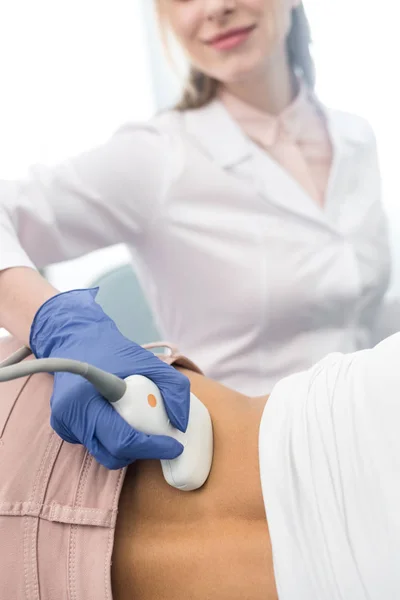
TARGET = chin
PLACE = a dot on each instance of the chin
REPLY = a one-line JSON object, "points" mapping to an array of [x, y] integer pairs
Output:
{"points": [[238, 76], [242, 69]]}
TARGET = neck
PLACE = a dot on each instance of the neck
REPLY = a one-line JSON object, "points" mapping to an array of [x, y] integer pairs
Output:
{"points": [[271, 92]]}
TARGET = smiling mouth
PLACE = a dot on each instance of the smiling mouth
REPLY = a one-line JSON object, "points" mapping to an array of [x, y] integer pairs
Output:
{"points": [[231, 39]]}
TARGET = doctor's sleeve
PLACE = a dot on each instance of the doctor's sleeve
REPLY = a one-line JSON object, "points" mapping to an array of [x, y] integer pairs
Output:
{"points": [[386, 320], [106, 196]]}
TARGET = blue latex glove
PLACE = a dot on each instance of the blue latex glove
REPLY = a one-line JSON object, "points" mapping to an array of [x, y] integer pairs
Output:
{"points": [[73, 325]]}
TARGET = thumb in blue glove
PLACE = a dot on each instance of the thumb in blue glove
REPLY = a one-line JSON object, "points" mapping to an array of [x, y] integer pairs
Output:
{"points": [[73, 325]]}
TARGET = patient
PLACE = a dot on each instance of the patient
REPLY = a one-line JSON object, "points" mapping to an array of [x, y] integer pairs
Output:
{"points": [[59, 508], [320, 460], [210, 543]]}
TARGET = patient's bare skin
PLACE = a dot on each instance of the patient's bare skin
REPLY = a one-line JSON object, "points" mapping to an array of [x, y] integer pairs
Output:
{"points": [[211, 544]]}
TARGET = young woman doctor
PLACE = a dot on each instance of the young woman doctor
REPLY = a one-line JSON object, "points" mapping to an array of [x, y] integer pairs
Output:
{"points": [[254, 218]]}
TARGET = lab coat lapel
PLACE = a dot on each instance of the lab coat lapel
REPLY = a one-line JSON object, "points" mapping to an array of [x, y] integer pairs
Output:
{"points": [[278, 187], [214, 130], [345, 173]]}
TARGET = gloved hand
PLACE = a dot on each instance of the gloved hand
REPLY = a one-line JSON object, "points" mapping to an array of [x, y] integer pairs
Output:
{"points": [[72, 325]]}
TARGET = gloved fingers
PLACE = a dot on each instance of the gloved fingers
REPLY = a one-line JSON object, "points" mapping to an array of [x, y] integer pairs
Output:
{"points": [[62, 431], [106, 459], [174, 388], [159, 447], [123, 442], [177, 405]]}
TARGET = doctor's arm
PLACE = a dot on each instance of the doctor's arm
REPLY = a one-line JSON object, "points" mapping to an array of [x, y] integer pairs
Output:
{"points": [[22, 291], [387, 317], [375, 252], [388, 320], [106, 196]]}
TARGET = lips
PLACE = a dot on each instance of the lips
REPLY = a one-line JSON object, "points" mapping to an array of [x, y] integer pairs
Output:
{"points": [[231, 38]]}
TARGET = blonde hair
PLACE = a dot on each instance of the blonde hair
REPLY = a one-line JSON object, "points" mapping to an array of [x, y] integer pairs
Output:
{"points": [[200, 89]]}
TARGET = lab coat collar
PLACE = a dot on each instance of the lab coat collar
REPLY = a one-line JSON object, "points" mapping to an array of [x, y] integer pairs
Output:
{"points": [[223, 139], [216, 132]]}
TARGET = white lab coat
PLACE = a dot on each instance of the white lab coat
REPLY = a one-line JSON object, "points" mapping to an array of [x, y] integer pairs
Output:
{"points": [[244, 271]]}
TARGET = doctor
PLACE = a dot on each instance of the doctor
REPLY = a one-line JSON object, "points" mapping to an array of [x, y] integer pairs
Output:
{"points": [[253, 214]]}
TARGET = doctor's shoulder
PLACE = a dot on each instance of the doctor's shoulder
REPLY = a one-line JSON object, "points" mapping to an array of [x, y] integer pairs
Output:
{"points": [[160, 140], [352, 128], [180, 144]]}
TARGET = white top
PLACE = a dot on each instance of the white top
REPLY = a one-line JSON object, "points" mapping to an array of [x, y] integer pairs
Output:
{"points": [[330, 464], [244, 271]]}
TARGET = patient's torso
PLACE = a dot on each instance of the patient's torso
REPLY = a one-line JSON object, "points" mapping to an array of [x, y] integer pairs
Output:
{"points": [[209, 544]]}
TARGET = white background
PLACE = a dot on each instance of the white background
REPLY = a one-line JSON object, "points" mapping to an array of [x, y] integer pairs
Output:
{"points": [[72, 72]]}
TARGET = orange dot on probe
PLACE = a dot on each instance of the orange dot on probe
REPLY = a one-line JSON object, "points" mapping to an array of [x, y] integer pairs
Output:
{"points": [[152, 400]]}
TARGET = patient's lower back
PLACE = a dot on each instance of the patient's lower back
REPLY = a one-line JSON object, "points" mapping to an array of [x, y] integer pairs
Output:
{"points": [[212, 543]]}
